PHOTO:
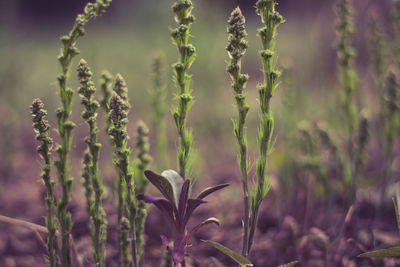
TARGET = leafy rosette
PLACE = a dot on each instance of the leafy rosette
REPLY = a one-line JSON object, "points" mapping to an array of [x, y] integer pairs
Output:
{"points": [[177, 208]]}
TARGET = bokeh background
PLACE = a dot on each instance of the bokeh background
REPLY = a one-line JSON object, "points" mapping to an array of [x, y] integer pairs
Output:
{"points": [[125, 41]]}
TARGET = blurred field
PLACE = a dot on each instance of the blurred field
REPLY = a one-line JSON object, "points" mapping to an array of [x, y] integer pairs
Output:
{"points": [[125, 41]]}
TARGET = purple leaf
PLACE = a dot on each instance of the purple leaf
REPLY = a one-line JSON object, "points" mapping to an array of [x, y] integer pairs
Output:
{"points": [[192, 204], [162, 184], [210, 190], [162, 204], [183, 200]]}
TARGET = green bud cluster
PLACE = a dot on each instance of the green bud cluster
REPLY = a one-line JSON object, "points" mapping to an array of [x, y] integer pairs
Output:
{"points": [[345, 56], [41, 127], [124, 229], [180, 36], [65, 126], [236, 48], [92, 181], [119, 107], [143, 160], [106, 90], [271, 19]]}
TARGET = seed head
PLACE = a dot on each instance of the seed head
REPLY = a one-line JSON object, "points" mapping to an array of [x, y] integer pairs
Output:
{"points": [[120, 87], [41, 126]]}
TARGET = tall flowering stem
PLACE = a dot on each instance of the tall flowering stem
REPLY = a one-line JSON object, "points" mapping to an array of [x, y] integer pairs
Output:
{"points": [[41, 127], [271, 19], [143, 160], [158, 100], [236, 49], [65, 126], [119, 107], [183, 16], [345, 56], [91, 169]]}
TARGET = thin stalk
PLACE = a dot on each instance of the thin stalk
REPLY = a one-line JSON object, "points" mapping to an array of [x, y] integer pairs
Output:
{"points": [[271, 19], [236, 49], [183, 16], [396, 24], [91, 169], [158, 96], [143, 160], [391, 122], [41, 127], [119, 107], [65, 126], [345, 56]]}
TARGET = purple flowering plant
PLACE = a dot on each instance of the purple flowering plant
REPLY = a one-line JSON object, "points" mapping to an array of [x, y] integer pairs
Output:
{"points": [[177, 207]]}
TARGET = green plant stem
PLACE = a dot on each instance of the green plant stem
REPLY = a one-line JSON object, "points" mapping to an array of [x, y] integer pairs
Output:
{"points": [[391, 122], [65, 126], [119, 107], [91, 170], [41, 127], [396, 22], [271, 19], [143, 160], [158, 96], [180, 36], [345, 55], [236, 49]]}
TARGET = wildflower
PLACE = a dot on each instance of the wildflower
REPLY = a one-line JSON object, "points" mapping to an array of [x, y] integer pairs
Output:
{"points": [[177, 208]]}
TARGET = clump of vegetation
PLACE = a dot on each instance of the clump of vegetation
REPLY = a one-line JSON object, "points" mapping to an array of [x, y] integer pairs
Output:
{"points": [[333, 156]]}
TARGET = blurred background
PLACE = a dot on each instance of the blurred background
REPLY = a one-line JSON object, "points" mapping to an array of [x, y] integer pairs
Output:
{"points": [[125, 41]]}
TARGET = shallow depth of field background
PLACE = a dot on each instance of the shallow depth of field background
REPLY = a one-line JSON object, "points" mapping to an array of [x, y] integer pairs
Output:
{"points": [[124, 41]]}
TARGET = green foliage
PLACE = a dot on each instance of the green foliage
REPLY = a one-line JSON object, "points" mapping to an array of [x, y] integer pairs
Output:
{"points": [[236, 49], [271, 19], [143, 160], [106, 90], [65, 126], [41, 127], [345, 55], [180, 36], [158, 99], [239, 259], [119, 107], [93, 183]]}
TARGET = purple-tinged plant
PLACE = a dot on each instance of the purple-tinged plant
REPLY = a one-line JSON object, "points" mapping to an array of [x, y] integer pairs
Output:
{"points": [[177, 208]]}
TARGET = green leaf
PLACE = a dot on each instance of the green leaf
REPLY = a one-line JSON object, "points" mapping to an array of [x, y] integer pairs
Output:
{"points": [[290, 264], [387, 252], [242, 261], [176, 181]]}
